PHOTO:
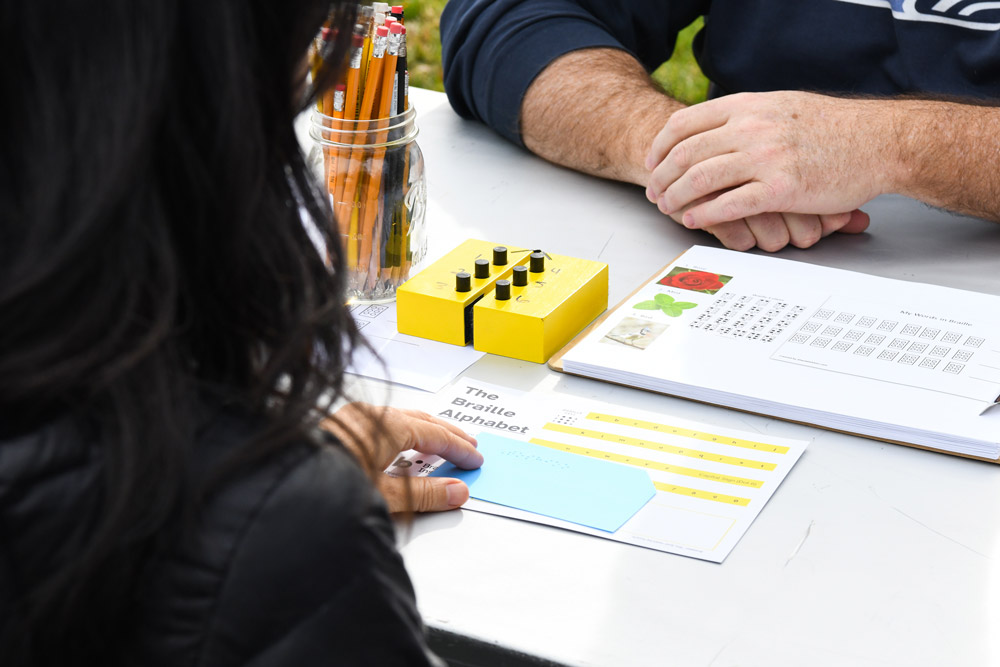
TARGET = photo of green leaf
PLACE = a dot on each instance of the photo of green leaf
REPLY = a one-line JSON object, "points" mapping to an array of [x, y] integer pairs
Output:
{"points": [[667, 304]]}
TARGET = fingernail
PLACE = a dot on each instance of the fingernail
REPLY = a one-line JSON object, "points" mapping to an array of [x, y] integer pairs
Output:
{"points": [[689, 221], [457, 493]]}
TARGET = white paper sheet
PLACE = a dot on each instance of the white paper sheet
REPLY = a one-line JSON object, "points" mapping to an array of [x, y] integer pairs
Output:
{"points": [[407, 360], [711, 482], [885, 358]]}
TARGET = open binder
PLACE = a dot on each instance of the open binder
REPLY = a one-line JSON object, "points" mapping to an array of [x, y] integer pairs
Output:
{"points": [[902, 362]]}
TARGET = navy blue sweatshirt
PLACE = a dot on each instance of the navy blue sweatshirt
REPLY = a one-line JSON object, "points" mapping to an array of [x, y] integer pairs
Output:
{"points": [[493, 49]]}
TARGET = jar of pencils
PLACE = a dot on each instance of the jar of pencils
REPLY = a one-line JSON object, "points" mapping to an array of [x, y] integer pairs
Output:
{"points": [[373, 171]]}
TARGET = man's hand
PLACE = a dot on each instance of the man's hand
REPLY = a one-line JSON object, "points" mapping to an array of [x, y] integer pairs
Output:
{"points": [[773, 231], [355, 427], [774, 155]]}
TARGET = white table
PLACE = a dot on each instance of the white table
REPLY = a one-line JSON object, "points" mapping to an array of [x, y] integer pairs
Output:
{"points": [[869, 554]]}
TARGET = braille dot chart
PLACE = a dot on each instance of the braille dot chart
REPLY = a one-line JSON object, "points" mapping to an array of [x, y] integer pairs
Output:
{"points": [[710, 481], [750, 317], [929, 354]]}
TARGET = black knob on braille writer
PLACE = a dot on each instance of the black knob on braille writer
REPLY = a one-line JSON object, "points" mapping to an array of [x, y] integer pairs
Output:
{"points": [[520, 276], [463, 282], [503, 290], [500, 256], [482, 268], [537, 261]]}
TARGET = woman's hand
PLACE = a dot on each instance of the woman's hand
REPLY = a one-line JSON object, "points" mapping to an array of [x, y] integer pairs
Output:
{"points": [[400, 430]]}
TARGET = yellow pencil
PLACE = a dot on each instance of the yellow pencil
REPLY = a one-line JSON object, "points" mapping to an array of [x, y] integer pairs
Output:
{"points": [[371, 238], [353, 178]]}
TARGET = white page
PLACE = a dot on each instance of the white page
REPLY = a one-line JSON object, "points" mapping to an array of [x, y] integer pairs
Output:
{"points": [[408, 360], [711, 482], [817, 340]]}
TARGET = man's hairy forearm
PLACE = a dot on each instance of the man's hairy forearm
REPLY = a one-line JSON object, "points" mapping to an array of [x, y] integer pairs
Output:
{"points": [[948, 155], [596, 111]]}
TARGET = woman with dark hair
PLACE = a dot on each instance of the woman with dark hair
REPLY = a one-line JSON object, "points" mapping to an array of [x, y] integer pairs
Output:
{"points": [[170, 343]]}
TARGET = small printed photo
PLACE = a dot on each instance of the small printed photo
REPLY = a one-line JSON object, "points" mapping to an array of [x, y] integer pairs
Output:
{"points": [[695, 281], [634, 332], [666, 304]]}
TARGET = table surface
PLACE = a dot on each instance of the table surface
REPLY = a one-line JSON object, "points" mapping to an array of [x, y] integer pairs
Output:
{"points": [[868, 554]]}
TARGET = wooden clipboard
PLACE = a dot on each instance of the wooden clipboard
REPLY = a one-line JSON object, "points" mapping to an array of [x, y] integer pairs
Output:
{"points": [[556, 364]]}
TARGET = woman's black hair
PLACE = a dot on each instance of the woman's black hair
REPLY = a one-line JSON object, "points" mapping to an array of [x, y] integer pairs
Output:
{"points": [[152, 250]]}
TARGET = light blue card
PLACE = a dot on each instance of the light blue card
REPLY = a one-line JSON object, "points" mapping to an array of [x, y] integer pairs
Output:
{"points": [[590, 492]]}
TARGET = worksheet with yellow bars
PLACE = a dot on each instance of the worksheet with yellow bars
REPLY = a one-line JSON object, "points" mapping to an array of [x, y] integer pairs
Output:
{"points": [[711, 482]]}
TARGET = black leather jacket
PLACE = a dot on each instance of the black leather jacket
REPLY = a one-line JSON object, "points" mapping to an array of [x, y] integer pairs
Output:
{"points": [[293, 564]]}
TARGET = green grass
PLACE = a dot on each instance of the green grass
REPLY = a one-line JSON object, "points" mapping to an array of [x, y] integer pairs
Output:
{"points": [[679, 76], [423, 43]]}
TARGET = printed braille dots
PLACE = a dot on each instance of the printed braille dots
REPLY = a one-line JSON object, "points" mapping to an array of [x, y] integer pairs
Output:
{"points": [[940, 351], [820, 342], [832, 331], [973, 341], [854, 335], [929, 333], [962, 355], [799, 338], [823, 314], [887, 355], [951, 337], [875, 339], [887, 325], [565, 420], [841, 346], [898, 344], [866, 321], [918, 348], [910, 330], [909, 359], [952, 367], [929, 363], [811, 327], [374, 311], [863, 350], [844, 318]]}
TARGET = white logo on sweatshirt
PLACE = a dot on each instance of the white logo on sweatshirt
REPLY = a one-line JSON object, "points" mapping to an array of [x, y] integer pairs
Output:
{"points": [[972, 14]]}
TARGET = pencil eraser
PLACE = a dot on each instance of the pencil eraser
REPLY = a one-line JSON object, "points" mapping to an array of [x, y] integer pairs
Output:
{"points": [[397, 9], [382, 31], [396, 28], [340, 86], [389, 20]]}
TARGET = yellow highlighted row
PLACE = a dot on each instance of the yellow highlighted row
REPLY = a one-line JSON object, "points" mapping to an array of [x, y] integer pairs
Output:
{"points": [[661, 447], [703, 495], [688, 433], [651, 465]]}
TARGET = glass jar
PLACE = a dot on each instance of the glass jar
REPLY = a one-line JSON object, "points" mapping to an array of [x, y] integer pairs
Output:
{"points": [[373, 172]]}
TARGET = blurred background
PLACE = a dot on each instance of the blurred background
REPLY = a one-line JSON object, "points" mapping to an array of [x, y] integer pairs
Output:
{"points": [[679, 76]]}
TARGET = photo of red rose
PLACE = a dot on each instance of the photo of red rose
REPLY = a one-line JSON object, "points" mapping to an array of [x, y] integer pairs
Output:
{"points": [[695, 281]]}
